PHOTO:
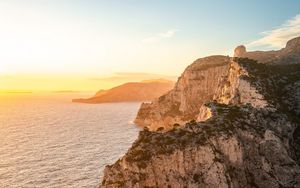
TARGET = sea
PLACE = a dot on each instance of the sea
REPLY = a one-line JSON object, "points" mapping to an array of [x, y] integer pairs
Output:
{"points": [[48, 141]]}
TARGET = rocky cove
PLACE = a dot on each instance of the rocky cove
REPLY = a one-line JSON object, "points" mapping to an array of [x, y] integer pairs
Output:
{"points": [[228, 122]]}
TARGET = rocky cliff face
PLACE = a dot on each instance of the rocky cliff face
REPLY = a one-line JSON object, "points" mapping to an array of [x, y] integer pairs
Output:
{"points": [[216, 78], [247, 132], [211, 78], [197, 84]]}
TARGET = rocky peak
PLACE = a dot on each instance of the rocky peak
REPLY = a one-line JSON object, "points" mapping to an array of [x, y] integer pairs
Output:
{"points": [[293, 43], [288, 55], [239, 51]]}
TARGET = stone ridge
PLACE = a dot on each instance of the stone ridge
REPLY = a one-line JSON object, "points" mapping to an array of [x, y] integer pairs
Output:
{"points": [[288, 55]]}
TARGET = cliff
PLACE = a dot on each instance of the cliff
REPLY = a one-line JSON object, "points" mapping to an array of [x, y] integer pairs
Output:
{"points": [[228, 122], [134, 91], [211, 78]]}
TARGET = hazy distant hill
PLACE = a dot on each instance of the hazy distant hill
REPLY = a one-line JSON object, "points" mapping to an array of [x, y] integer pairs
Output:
{"points": [[132, 91]]}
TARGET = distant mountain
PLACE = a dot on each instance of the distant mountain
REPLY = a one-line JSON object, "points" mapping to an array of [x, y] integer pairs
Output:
{"points": [[133, 91]]}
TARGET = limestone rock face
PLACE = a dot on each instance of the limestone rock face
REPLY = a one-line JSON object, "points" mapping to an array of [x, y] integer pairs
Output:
{"points": [[246, 133], [212, 78], [250, 139], [211, 154], [197, 84], [216, 78]]}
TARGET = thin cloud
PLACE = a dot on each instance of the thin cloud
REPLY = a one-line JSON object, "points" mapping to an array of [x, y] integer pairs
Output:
{"points": [[278, 37], [156, 38], [168, 34]]}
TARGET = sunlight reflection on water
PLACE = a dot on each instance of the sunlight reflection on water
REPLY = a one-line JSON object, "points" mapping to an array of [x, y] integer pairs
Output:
{"points": [[56, 143]]}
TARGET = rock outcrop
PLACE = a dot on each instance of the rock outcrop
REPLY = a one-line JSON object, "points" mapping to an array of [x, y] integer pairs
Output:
{"points": [[290, 54], [236, 123], [216, 78], [132, 91], [211, 78]]}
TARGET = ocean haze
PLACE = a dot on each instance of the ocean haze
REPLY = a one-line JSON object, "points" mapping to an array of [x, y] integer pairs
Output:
{"points": [[48, 141]]}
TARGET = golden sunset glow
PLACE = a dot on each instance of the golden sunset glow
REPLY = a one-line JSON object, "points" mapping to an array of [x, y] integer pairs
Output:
{"points": [[49, 47], [59, 82], [62, 45]]}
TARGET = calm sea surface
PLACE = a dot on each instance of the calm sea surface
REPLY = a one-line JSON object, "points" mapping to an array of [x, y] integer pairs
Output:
{"points": [[47, 141]]}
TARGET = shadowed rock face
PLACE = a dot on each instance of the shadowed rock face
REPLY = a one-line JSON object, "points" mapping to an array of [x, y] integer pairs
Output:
{"points": [[247, 133]]}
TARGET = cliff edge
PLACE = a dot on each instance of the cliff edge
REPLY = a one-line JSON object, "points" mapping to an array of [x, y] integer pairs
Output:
{"points": [[213, 78], [288, 55], [228, 122]]}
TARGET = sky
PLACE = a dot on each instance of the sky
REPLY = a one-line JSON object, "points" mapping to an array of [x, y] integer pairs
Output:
{"points": [[87, 45]]}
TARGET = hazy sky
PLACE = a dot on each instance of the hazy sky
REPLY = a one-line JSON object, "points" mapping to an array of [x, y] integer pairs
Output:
{"points": [[89, 45]]}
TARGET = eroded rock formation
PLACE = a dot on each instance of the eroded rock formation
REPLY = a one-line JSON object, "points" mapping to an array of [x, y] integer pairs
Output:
{"points": [[216, 78], [247, 132]]}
